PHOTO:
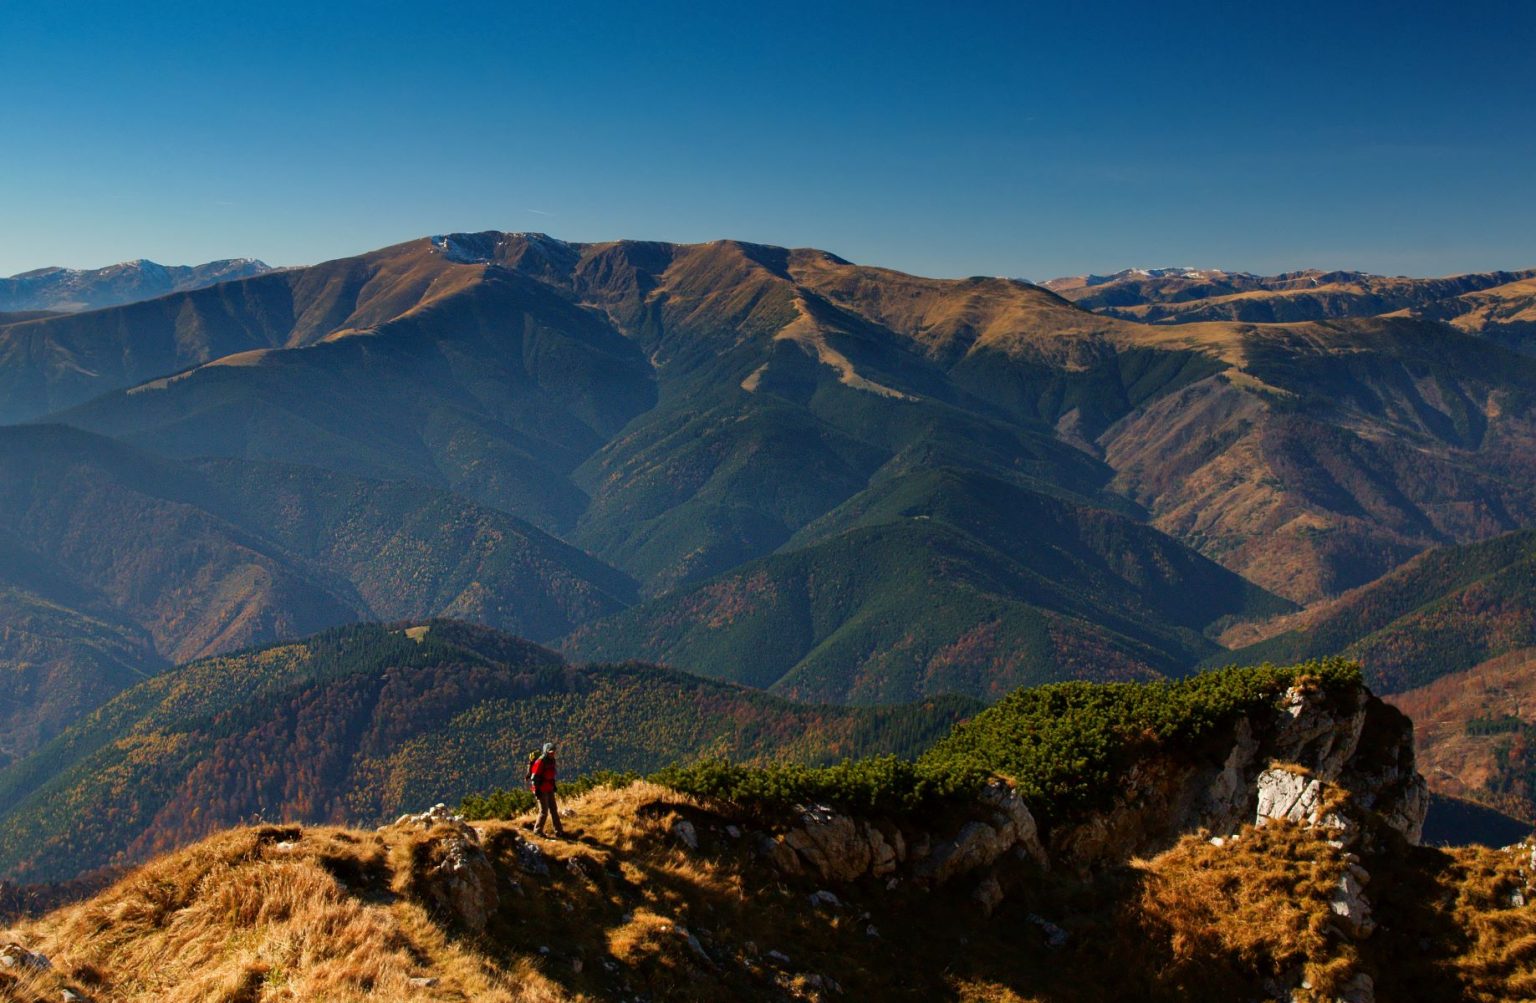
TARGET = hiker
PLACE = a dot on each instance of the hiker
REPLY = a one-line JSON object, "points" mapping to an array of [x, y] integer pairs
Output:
{"points": [[541, 780]]}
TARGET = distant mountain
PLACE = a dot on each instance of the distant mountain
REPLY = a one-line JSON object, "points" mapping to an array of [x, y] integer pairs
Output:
{"points": [[73, 289], [360, 723], [942, 581], [1189, 295], [678, 410], [1443, 612], [1504, 313], [115, 563], [1475, 731], [541, 435]]}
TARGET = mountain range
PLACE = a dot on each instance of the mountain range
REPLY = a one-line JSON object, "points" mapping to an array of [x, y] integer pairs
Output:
{"points": [[1494, 303], [66, 290], [763, 465]]}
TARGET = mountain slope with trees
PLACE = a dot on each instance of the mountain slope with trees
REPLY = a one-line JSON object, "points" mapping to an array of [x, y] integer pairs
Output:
{"points": [[366, 721]]}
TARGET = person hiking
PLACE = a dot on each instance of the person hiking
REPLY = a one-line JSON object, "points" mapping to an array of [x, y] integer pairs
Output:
{"points": [[541, 780]]}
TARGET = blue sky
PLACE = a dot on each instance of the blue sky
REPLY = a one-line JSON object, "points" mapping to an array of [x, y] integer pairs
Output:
{"points": [[1028, 139]]}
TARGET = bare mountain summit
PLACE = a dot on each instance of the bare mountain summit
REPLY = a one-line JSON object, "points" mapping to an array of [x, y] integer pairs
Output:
{"points": [[69, 290]]}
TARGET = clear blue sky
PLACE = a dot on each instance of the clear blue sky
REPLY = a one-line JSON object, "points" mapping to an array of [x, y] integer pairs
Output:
{"points": [[1030, 138]]}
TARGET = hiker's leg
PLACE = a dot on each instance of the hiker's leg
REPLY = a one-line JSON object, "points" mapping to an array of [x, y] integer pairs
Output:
{"points": [[554, 813], [538, 827]]}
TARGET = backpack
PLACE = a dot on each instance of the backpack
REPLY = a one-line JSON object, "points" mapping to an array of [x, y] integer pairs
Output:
{"points": [[533, 761]]}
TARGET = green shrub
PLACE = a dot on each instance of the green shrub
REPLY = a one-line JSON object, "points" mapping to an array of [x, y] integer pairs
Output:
{"points": [[1064, 745]]}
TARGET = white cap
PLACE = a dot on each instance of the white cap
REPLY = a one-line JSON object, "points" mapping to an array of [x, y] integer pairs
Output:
{"points": [[549, 747]]}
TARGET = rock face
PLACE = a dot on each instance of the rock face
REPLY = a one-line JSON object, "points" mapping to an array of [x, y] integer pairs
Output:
{"points": [[1279, 766], [1294, 764], [451, 870]]}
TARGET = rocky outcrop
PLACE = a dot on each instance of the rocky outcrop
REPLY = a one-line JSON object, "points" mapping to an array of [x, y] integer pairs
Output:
{"points": [[1318, 759], [837, 847], [18, 957], [1279, 765], [450, 869]]}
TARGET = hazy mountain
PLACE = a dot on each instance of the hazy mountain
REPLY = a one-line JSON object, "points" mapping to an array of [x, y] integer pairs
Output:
{"points": [[1443, 612], [72, 289], [1188, 295], [114, 563], [938, 581], [364, 722], [677, 410]]}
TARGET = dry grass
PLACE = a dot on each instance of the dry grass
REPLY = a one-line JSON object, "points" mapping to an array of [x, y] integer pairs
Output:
{"points": [[1259, 903], [623, 910]]}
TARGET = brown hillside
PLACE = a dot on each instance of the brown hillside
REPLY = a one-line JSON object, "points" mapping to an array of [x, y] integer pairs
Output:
{"points": [[1473, 732], [288, 913]]}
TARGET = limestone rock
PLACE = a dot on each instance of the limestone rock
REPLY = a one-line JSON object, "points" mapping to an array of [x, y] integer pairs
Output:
{"points": [[779, 853], [1055, 936], [831, 844], [684, 832], [1350, 905], [976, 845], [14, 955], [1316, 734], [436, 815], [1014, 820], [1285, 795], [988, 895], [459, 877]]}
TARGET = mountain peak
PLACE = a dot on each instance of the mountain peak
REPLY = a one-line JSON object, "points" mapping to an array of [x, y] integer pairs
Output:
{"points": [[78, 289]]}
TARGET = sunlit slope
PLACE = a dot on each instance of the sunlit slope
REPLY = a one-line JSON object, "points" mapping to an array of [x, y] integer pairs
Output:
{"points": [[363, 722], [1441, 613]]}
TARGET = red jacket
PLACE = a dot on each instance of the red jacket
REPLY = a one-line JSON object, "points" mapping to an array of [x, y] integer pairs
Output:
{"points": [[541, 776]]}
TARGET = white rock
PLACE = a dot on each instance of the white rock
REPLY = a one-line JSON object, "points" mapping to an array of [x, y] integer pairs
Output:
{"points": [[684, 832]]}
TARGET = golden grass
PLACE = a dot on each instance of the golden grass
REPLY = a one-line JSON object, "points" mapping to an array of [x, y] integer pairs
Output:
{"points": [[273, 913], [1260, 900]]}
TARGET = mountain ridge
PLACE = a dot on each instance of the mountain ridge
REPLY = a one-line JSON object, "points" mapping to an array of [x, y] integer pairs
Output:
{"points": [[78, 289]]}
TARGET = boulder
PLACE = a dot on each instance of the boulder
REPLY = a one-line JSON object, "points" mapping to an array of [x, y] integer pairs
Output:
{"points": [[684, 832], [779, 853], [1285, 795], [458, 877], [1349, 904], [1013, 819], [882, 853], [15, 956], [831, 844], [1314, 732], [976, 845]]}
